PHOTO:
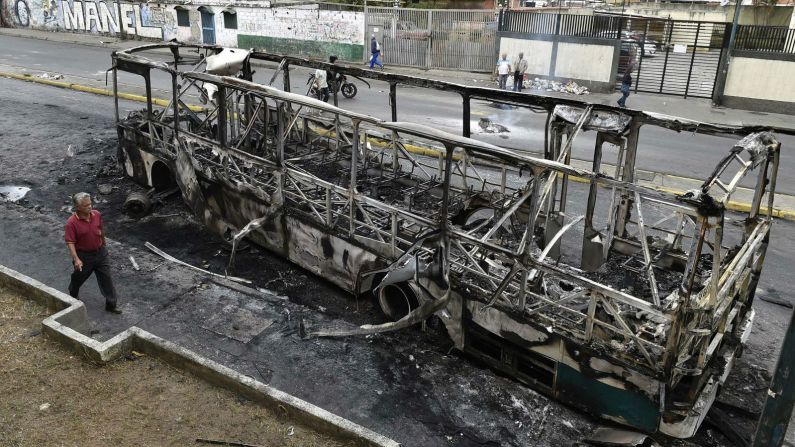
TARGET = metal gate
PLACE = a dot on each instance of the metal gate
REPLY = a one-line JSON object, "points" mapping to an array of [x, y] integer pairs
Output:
{"points": [[457, 39], [678, 57], [208, 26]]}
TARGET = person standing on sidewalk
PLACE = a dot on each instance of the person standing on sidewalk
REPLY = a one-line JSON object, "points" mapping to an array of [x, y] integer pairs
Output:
{"points": [[321, 85], [503, 69], [626, 84], [375, 50], [518, 74], [85, 239]]}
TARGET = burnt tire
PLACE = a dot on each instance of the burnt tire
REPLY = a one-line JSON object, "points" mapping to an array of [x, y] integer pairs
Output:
{"points": [[349, 90], [397, 300], [137, 205]]}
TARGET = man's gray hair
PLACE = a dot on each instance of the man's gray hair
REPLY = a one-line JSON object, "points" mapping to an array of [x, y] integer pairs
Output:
{"points": [[79, 197]]}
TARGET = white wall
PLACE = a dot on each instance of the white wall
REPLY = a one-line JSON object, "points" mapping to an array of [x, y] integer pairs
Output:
{"points": [[537, 52], [761, 79], [304, 24], [587, 62], [584, 61]]}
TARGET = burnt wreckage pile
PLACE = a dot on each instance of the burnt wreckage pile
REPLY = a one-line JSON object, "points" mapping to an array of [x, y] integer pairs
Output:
{"points": [[631, 306]]}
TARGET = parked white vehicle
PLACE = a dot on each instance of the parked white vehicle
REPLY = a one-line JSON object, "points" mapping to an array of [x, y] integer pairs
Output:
{"points": [[649, 48]]}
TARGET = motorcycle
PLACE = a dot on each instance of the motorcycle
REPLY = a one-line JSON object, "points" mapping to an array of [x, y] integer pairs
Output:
{"points": [[347, 88]]}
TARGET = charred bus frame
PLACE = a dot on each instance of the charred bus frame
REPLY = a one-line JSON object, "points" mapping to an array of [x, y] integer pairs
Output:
{"points": [[436, 223]]}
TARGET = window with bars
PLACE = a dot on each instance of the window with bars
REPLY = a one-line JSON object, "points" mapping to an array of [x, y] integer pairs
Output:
{"points": [[230, 20], [183, 17]]}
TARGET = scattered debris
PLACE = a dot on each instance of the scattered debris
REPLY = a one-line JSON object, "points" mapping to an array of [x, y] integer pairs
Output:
{"points": [[70, 152], [490, 126], [164, 216], [550, 85], [604, 436], [227, 62], [168, 257], [159, 196], [13, 193], [134, 264], [105, 189], [291, 431], [54, 77], [44, 406]]}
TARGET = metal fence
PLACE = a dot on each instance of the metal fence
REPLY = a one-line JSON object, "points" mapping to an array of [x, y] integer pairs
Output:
{"points": [[666, 56], [561, 24], [673, 57], [776, 39], [456, 39], [686, 55], [339, 7]]}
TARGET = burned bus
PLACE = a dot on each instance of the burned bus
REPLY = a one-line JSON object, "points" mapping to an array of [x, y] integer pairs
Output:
{"points": [[627, 302]]}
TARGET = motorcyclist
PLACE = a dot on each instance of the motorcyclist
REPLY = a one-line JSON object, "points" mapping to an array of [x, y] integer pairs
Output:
{"points": [[327, 81], [334, 79]]}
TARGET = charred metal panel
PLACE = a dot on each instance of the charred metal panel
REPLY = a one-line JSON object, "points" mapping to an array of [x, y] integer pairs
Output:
{"points": [[600, 399]]}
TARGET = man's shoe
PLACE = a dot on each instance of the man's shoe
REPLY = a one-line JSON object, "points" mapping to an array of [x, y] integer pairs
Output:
{"points": [[112, 309]]}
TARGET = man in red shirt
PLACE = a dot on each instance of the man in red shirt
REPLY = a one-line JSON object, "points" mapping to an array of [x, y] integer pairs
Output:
{"points": [[85, 239]]}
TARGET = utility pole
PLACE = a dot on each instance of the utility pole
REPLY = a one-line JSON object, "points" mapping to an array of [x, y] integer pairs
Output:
{"points": [[723, 71], [120, 20], [772, 426], [2, 17]]}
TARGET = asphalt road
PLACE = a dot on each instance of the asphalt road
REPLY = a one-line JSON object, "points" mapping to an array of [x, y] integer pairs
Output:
{"points": [[660, 150]]}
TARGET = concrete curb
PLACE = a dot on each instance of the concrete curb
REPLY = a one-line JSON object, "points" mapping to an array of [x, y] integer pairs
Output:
{"points": [[786, 214], [69, 324]]}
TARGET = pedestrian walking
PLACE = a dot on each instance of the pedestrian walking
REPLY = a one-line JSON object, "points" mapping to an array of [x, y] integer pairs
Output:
{"points": [[626, 84], [85, 239], [503, 69], [375, 50], [518, 74]]}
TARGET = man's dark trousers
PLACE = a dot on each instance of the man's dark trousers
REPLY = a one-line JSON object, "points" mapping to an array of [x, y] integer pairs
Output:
{"points": [[95, 262], [518, 81]]}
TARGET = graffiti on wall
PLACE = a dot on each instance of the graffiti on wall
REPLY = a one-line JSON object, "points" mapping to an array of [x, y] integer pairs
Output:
{"points": [[153, 16], [311, 25], [103, 17], [31, 13], [96, 16], [21, 13]]}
